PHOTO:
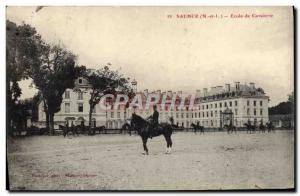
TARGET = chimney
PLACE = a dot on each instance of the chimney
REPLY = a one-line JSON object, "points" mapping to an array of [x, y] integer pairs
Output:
{"points": [[213, 90], [219, 89], [237, 86], [198, 93], [204, 92], [252, 85], [227, 87]]}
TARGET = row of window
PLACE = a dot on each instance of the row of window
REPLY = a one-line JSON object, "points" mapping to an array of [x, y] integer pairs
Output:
{"points": [[178, 115], [79, 97], [206, 106], [79, 107]]}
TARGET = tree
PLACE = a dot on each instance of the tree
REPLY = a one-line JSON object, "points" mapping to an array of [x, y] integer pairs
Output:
{"points": [[291, 99], [104, 81], [21, 53], [284, 107], [52, 75]]}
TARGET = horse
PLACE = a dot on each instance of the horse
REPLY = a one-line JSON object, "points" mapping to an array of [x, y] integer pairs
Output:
{"points": [[270, 127], [262, 128], [144, 127], [197, 127], [100, 129], [66, 130], [250, 127], [230, 128]]}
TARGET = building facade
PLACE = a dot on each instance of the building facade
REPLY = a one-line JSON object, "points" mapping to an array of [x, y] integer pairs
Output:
{"points": [[237, 104]]}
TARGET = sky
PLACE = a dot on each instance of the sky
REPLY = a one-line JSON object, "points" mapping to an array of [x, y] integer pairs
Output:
{"points": [[162, 50]]}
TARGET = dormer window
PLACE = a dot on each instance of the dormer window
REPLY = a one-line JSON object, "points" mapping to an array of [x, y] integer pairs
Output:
{"points": [[80, 81]]}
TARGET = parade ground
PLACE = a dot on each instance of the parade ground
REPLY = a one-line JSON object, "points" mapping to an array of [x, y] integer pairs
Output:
{"points": [[210, 161]]}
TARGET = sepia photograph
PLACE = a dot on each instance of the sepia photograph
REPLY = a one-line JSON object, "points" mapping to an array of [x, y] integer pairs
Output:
{"points": [[150, 98]]}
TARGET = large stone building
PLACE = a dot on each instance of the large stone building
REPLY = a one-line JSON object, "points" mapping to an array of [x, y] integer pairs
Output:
{"points": [[237, 104]]}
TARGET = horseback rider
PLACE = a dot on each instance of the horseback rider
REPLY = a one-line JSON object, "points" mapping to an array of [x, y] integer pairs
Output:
{"points": [[154, 123]]}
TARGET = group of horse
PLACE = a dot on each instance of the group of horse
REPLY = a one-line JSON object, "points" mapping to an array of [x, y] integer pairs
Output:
{"points": [[145, 129], [251, 128], [80, 129], [231, 128]]}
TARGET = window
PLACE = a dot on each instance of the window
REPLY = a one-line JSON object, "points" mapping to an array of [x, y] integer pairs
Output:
{"points": [[187, 115], [230, 103], [260, 103], [80, 95], [225, 104], [236, 112], [211, 105], [216, 113], [182, 115], [80, 107], [216, 105], [80, 81], [195, 115], [220, 105], [67, 95], [112, 114], [211, 114], [248, 111], [207, 106], [254, 112], [248, 102], [261, 112], [254, 103], [203, 114], [207, 114], [236, 103], [67, 107], [177, 116], [118, 115], [202, 107]]}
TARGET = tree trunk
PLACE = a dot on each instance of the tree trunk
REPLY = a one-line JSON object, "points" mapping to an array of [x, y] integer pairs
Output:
{"points": [[9, 109], [47, 121], [90, 119], [47, 116], [51, 123]]}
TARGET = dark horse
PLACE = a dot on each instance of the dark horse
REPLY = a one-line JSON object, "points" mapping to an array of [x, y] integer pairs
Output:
{"points": [[197, 127], [67, 130], [143, 128], [270, 127], [230, 128], [250, 127], [262, 127]]}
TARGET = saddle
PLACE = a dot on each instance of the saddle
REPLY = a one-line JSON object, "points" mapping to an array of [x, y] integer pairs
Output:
{"points": [[154, 129]]}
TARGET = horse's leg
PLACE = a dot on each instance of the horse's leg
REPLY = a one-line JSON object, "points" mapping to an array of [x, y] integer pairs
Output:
{"points": [[170, 143], [145, 145]]}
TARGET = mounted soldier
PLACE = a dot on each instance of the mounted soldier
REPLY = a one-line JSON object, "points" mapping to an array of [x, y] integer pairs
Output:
{"points": [[153, 122]]}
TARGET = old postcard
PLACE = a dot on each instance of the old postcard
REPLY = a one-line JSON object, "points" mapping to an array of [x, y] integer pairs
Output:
{"points": [[150, 98]]}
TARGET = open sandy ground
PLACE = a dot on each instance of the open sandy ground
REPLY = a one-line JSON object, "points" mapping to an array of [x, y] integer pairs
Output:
{"points": [[115, 162]]}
